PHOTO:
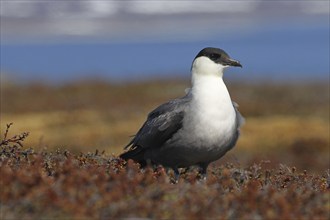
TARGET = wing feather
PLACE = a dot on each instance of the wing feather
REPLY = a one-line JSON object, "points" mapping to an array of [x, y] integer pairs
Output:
{"points": [[161, 124]]}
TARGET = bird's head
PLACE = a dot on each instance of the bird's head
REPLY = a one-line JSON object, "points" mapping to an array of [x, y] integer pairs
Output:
{"points": [[212, 61]]}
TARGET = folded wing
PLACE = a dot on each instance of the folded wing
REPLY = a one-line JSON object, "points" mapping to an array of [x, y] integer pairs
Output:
{"points": [[159, 127]]}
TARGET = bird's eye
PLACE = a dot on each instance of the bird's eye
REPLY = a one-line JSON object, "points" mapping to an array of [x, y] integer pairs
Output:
{"points": [[215, 56]]}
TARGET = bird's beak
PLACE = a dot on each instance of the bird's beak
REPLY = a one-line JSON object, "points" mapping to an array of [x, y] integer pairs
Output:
{"points": [[232, 62]]}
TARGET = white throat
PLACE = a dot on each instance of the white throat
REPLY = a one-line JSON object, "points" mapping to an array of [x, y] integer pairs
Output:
{"points": [[207, 82]]}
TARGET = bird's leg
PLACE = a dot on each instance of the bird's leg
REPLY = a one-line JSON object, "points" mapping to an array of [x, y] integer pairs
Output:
{"points": [[203, 171], [176, 175]]}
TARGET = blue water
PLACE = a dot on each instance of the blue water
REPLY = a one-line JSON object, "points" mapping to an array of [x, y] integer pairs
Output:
{"points": [[280, 53]]}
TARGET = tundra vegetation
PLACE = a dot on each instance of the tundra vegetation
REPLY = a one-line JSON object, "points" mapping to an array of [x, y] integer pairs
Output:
{"points": [[59, 157]]}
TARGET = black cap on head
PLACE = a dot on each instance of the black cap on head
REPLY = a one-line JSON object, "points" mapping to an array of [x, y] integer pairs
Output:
{"points": [[218, 56]]}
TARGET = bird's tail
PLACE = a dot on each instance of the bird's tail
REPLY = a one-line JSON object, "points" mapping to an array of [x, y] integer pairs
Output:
{"points": [[136, 154]]}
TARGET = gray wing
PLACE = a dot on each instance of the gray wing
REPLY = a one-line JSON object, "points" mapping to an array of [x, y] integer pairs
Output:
{"points": [[161, 124], [239, 118]]}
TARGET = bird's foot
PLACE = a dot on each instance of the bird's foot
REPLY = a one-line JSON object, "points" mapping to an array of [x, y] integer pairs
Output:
{"points": [[202, 174]]}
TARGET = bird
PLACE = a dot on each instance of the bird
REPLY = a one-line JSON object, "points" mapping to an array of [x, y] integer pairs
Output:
{"points": [[196, 129]]}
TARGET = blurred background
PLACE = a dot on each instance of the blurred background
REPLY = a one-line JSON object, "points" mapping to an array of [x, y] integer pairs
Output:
{"points": [[82, 75]]}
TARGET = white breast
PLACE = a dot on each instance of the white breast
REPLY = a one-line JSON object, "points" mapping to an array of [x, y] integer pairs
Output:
{"points": [[211, 115]]}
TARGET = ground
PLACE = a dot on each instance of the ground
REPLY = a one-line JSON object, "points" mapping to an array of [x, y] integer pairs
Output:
{"points": [[68, 165]]}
